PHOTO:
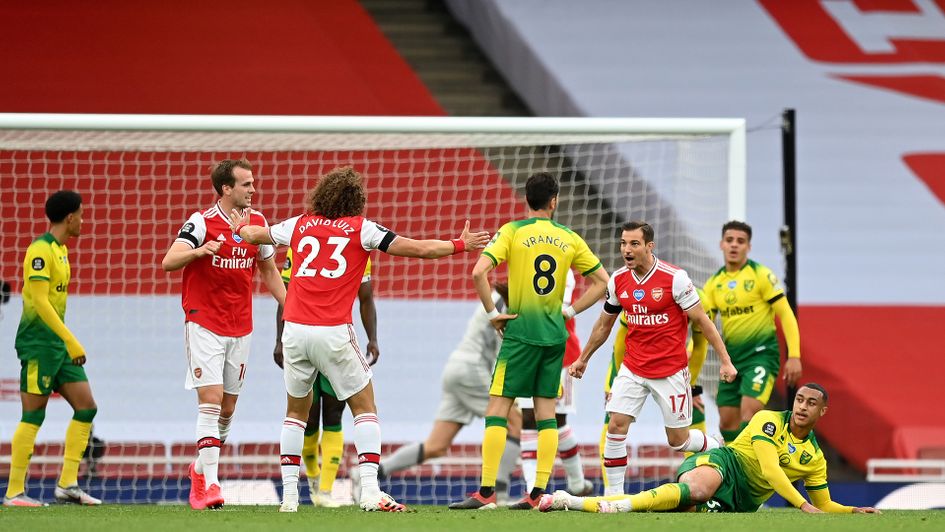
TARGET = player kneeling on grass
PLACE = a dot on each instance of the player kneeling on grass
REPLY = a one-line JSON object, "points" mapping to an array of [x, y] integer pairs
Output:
{"points": [[774, 451], [331, 245]]}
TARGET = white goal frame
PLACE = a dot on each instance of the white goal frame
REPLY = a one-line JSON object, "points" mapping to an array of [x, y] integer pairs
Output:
{"points": [[734, 128]]}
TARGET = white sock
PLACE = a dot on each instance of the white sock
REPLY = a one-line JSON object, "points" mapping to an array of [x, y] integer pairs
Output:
{"points": [[509, 460], [698, 442], [575, 503], [367, 442], [529, 458], [615, 463], [290, 449], [570, 457], [208, 442], [224, 425], [405, 456]]}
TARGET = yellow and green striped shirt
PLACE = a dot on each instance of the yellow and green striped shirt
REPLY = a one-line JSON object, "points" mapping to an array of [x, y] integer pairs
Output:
{"points": [[48, 260], [743, 299], [539, 252], [799, 459]]}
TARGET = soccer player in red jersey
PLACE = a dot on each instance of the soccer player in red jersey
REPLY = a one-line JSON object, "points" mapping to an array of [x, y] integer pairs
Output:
{"points": [[331, 245], [659, 300], [218, 313]]}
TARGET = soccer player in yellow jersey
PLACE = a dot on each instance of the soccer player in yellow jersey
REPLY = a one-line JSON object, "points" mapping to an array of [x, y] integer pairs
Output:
{"points": [[539, 253], [326, 409], [774, 451], [747, 296], [51, 358]]}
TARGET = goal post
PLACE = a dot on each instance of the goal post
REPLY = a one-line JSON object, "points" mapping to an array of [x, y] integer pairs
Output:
{"points": [[142, 175]]}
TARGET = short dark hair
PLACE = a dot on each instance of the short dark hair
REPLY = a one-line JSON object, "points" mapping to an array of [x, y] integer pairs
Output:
{"points": [[61, 204], [819, 388], [540, 189], [738, 226], [648, 233], [222, 173]]}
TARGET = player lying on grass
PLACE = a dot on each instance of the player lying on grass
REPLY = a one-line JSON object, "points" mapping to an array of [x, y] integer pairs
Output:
{"points": [[775, 450]]}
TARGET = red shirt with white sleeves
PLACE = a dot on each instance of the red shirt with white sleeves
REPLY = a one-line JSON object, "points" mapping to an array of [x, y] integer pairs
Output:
{"points": [[218, 290], [328, 260], [657, 324]]}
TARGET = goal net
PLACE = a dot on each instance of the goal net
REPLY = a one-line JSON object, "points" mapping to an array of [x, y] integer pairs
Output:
{"points": [[142, 176]]}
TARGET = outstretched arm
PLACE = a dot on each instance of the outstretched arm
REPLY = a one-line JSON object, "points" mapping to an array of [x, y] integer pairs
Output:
{"points": [[821, 499], [767, 456], [435, 249], [254, 234]]}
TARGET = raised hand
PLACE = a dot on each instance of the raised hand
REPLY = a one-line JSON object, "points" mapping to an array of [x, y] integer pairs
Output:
{"points": [[238, 218], [474, 241]]}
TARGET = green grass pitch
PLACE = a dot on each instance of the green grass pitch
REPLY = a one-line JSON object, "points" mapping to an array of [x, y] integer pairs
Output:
{"points": [[180, 518]]}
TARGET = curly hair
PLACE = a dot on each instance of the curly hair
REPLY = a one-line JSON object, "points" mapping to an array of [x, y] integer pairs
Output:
{"points": [[338, 194]]}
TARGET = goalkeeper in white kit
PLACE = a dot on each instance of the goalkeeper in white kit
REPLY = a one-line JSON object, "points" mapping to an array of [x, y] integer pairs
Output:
{"points": [[466, 380]]}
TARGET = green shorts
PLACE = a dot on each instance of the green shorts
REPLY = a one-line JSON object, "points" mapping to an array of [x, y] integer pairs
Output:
{"points": [[43, 371], [323, 387], [755, 379], [526, 370], [733, 494], [698, 416]]}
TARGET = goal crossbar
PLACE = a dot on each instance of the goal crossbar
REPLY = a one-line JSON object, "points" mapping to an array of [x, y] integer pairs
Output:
{"points": [[573, 127]]}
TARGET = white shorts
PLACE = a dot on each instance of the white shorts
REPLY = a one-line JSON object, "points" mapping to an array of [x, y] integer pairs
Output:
{"points": [[672, 394], [465, 392], [567, 399], [214, 359], [332, 351]]}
